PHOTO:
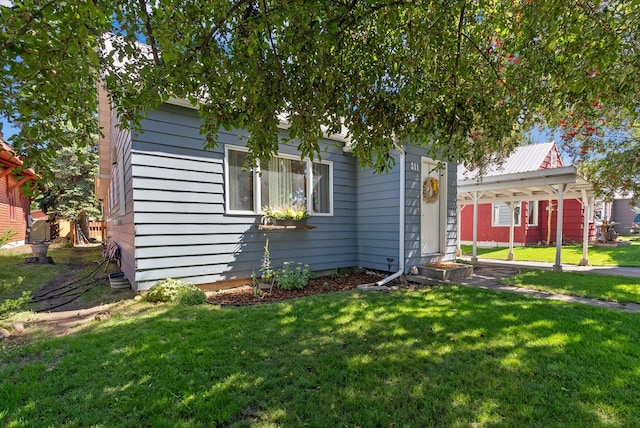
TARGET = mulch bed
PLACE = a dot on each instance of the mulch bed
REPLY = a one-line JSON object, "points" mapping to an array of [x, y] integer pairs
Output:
{"points": [[243, 295]]}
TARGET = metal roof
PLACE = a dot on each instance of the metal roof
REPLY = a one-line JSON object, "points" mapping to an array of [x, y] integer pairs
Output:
{"points": [[523, 159]]}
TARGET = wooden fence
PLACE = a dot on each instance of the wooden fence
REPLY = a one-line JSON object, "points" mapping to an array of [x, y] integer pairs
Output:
{"points": [[95, 229]]}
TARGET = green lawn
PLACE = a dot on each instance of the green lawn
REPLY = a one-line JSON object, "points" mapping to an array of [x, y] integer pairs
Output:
{"points": [[443, 356], [605, 287], [571, 254], [35, 276]]}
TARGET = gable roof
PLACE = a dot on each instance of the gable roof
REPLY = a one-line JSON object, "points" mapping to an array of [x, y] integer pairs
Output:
{"points": [[523, 159], [523, 177]]}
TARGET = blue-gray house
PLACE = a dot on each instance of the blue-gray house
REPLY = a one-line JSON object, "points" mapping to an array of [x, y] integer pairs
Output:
{"points": [[176, 210]]}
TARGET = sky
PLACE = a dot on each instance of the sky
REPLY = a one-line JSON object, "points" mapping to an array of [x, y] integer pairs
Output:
{"points": [[7, 129]]}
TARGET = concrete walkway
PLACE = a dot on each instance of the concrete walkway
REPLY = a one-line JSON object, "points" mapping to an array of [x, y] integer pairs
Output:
{"points": [[633, 272], [488, 272]]}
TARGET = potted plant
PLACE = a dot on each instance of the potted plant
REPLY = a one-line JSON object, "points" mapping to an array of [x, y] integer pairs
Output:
{"points": [[285, 215]]}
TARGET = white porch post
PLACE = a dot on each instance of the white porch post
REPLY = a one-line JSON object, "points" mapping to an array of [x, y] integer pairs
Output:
{"points": [[587, 204], [512, 210], [558, 265], [474, 257]]}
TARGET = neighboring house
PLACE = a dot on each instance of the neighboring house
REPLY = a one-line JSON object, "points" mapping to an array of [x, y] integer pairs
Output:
{"points": [[535, 220], [623, 212], [176, 210], [14, 204]]}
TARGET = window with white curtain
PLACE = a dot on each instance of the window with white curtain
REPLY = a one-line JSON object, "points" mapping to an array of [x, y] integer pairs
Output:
{"points": [[240, 188], [283, 181]]}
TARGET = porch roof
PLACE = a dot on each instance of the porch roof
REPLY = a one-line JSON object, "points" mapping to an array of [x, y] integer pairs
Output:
{"points": [[525, 186]]}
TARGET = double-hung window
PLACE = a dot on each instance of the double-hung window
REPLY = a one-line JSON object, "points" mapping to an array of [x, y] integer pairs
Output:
{"points": [[283, 181], [500, 215]]}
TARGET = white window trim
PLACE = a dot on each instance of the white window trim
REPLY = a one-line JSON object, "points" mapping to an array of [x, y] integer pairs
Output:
{"points": [[256, 198], [517, 223], [257, 203], [537, 211]]}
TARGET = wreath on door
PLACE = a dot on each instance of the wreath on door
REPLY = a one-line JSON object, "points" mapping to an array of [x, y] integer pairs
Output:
{"points": [[430, 190]]}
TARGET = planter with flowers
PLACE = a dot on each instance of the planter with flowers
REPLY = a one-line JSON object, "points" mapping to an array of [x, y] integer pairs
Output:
{"points": [[285, 217]]}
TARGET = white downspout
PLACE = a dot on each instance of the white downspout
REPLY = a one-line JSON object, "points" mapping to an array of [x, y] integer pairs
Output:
{"points": [[402, 221]]}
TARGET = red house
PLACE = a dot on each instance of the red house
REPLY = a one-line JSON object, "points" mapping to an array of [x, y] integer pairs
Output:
{"points": [[535, 219], [14, 204]]}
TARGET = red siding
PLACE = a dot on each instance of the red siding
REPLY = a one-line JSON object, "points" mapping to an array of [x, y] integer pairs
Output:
{"points": [[524, 234], [547, 160], [19, 206]]}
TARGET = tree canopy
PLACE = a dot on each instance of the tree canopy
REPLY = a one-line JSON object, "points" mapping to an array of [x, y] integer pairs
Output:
{"points": [[460, 77]]}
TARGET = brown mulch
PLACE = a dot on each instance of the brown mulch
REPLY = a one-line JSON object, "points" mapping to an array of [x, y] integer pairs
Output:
{"points": [[244, 295]]}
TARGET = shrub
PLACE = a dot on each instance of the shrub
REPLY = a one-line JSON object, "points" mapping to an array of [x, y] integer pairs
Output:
{"points": [[191, 296], [174, 290], [12, 306], [6, 236], [293, 276]]}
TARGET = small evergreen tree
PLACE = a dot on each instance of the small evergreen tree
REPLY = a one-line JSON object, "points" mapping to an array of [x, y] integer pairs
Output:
{"points": [[70, 192]]}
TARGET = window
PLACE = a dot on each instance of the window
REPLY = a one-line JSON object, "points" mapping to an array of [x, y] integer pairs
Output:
{"points": [[532, 208], [12, 204], [500, 214], [284, 180], [240, 194]]}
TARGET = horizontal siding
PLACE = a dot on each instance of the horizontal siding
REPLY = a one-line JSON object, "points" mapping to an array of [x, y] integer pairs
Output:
{"points": [[151, 230], [172, 185], [185, 250], [20, 203], [378, 217], [153, 207], [622, 213], [178, 196], [177, 175], [181, 227]]}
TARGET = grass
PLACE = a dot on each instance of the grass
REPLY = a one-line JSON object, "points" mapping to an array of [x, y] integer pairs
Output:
{"points": [[12, 266], [35, 276], [628, 255], [613, 288], [442, 356]]}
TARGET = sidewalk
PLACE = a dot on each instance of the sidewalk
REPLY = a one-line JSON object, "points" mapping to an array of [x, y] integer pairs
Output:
{"points": [[633, 272], [488, 272]]}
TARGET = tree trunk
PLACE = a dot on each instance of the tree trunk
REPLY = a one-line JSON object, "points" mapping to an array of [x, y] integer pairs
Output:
{"points": [[83, 224]]}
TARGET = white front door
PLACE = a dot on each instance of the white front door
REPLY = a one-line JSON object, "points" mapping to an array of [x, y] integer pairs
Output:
{"points": [[433, 207]]}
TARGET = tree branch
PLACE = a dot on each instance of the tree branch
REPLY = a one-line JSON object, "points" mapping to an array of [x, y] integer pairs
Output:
{"points": [[273, 46], [147, 25], [33, 15], [455, 71], [209, 36], [486, 58]]}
